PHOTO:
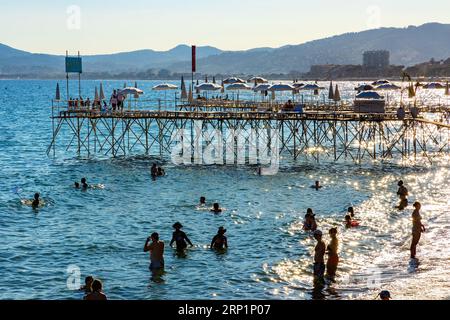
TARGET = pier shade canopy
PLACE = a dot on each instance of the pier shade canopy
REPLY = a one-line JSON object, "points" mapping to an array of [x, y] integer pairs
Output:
{"points": [[239, 86], [164, 87], [371, 95], [233, 80], [257, 80], [208, 87], [131, 90]]}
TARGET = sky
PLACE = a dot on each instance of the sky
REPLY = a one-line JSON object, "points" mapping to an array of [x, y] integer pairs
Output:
{"points": [[100, 26]]}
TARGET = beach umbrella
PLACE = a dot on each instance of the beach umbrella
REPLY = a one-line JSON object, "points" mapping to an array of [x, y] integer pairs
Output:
{"points": [[411, 91], [196, 90], [190, 95], [135, 84], [206, 79], [102, 93], [165, 87], [281, 87], [96, 98], [331, 92], [337, 95], [447, 89], [365, 87], [58, 93], [223, 88], [434, 85], [387, 86], [184, 94], [233, 80], [124, 85], [214, 79], [238, 87], [262, 87], [257, 80], [380, 82], [208, 87], [131, 90], [369, 95]]}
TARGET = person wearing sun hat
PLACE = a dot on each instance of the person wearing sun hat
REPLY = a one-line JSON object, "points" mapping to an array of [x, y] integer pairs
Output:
{"points": [[220, 241], [180, 238], [319, 253]]}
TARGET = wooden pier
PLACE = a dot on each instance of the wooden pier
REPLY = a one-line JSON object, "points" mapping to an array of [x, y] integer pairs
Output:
{"points": [[319, 134]]}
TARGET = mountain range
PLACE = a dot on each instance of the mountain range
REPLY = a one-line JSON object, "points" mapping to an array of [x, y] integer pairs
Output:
{"points": [[408, 46]]}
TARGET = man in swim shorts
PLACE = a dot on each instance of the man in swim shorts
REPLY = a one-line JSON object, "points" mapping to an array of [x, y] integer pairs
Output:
{"points": [[403, 194], [156, 249]]}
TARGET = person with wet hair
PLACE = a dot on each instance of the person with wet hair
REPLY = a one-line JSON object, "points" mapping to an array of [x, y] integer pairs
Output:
{"points": [[97, 293], [319, 253], [36, 202]]}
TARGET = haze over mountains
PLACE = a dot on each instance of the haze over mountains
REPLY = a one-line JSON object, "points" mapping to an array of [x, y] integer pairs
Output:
{"points": [[408, 46]]}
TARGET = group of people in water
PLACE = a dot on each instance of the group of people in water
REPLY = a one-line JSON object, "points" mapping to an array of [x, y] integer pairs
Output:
{"points": [[93, 288], [321, 249]]}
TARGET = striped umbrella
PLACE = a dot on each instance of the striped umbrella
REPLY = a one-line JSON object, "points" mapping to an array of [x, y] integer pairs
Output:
{"points": [[58, 93]]}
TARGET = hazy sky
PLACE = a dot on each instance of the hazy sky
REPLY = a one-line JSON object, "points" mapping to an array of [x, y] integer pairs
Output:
{"points": [[99, 26]]}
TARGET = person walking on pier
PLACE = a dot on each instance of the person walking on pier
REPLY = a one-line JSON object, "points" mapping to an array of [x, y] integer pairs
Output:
{"points": [[180, 238], [403, 194], [114, 100], [417, 230]]}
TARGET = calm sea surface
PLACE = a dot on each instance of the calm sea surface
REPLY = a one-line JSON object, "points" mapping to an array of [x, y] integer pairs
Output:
{"points": [[102, 231]]}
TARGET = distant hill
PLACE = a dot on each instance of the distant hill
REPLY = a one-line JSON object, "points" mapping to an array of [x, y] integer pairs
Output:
{"points": [[408, 46], [13, 61]]}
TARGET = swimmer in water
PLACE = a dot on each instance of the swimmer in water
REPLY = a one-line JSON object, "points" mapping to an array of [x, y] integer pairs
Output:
{"points": [[417, 230], [216, 208], [161, 172], [319, 253], [403, 194], [385, 295], [87, 288], [349, 221], [36, 202], [332, 251], [76, 185], [220, 241], [154, 171], [202, 202], [84, 184], [310, 223], [351, 212], [96, 294], [180, 238], [317, 186]]}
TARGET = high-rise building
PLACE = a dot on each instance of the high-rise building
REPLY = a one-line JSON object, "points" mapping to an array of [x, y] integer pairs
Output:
{"points": [[379, 59]]}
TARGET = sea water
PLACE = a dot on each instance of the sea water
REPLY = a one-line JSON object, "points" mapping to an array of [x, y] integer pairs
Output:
{"points": [[45, 253]]}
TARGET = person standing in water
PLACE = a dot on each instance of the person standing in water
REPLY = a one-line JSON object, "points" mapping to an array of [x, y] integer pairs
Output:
{"points": [[180, 238], [332, 251], [36, 202], [351, 212], [319, 253], [154, 170], [156, 249], [417, 230], [403, 194], [310, 223], [220, 241]]}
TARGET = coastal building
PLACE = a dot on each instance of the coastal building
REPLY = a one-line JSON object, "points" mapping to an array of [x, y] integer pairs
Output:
{"points": [[376, 60]]}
